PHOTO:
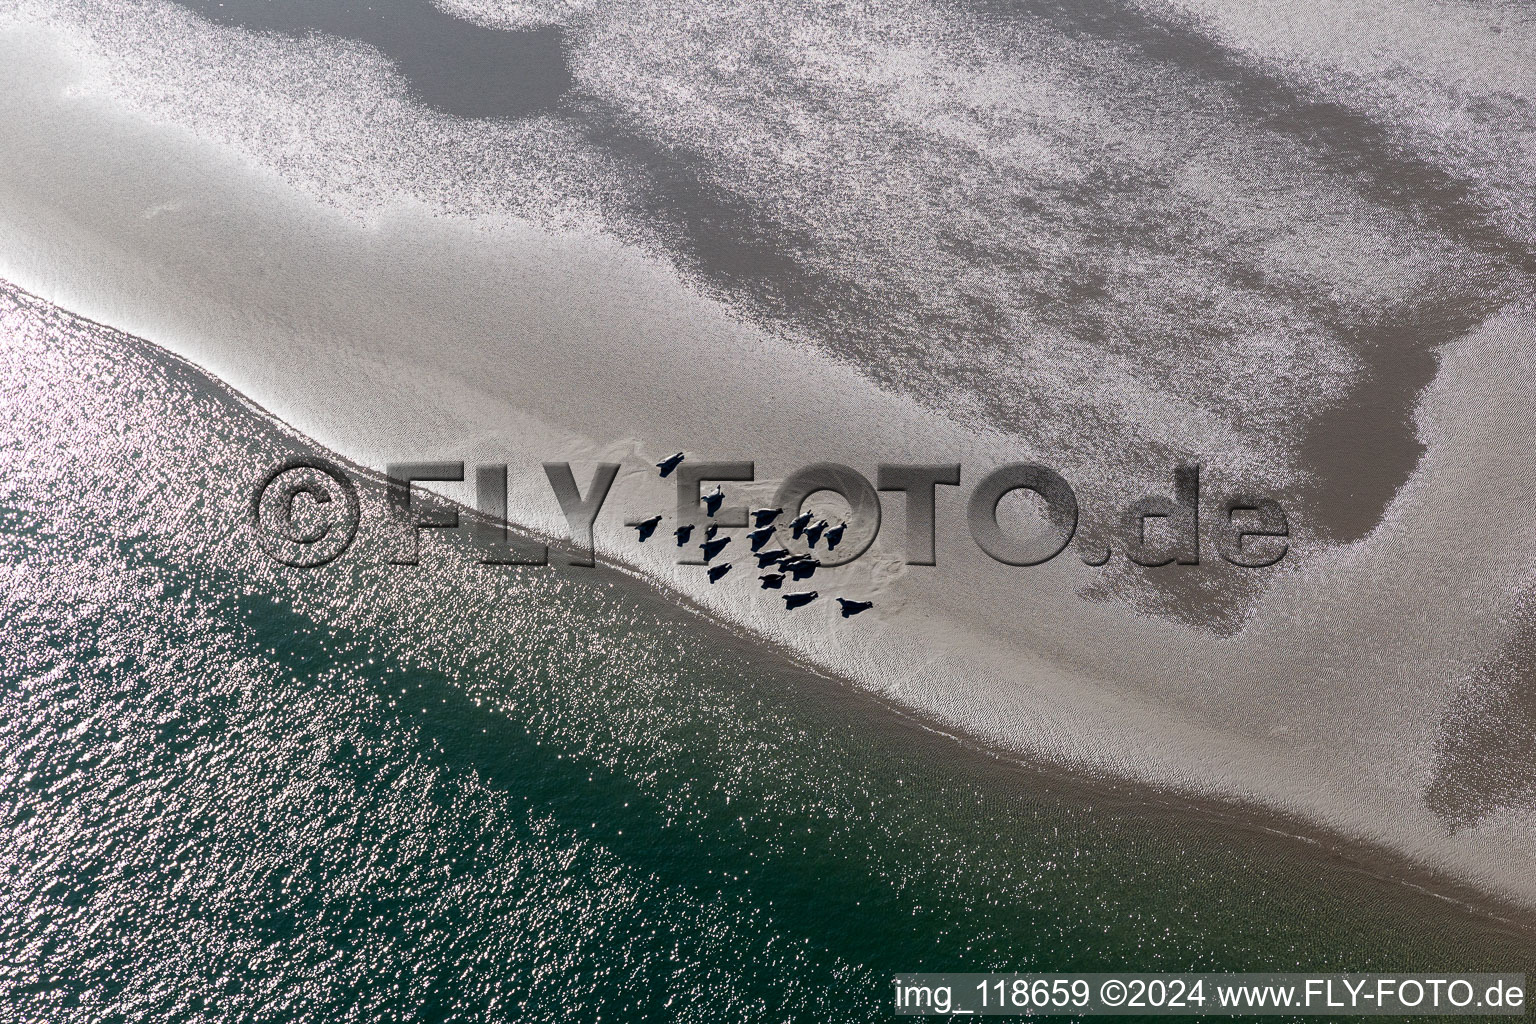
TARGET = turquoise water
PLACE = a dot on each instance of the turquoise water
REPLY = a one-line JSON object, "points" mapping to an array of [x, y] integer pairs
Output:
{"points": [[239, 791]]}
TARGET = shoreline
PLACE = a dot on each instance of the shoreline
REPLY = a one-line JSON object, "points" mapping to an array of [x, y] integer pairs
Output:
{"points": [[1294, 836], [611, 351]]}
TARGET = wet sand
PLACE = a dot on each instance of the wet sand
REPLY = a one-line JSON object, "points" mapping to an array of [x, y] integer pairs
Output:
{"points": [[966, 827], [388, 331]]}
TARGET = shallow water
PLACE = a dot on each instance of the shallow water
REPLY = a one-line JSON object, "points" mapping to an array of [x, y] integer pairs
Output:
{"points": [[1291, 241], [453, 65], [450, 793]]}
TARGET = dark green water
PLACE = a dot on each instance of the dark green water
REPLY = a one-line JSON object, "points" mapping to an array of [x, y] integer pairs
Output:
{"points": [[235, 791]]}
